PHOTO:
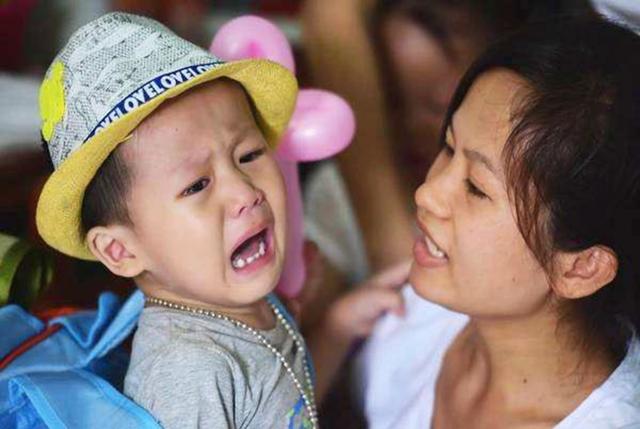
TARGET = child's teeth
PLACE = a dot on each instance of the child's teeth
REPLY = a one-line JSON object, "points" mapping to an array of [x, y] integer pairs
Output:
{"points": [[241, 263]]}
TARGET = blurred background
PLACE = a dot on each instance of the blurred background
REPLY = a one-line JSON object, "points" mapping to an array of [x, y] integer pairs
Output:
{"points": [[397, 62]]}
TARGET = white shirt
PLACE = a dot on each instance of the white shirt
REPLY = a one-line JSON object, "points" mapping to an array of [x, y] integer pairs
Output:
{"points": [[399, 366], [624, 12]]}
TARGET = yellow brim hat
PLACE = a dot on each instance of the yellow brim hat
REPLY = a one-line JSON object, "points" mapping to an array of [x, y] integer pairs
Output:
{"points": [[99, 89]]}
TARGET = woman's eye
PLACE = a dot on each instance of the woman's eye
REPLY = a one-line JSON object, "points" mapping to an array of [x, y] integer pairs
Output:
{"points": [[251, 156], [448, 150], [196, 187], [473, 189]]}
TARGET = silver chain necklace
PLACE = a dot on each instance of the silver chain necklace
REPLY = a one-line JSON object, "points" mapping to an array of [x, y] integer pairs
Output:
{"points": [[309, 399]]}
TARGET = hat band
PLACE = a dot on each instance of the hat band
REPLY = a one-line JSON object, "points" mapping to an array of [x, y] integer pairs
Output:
{"points": [[150, 90]]}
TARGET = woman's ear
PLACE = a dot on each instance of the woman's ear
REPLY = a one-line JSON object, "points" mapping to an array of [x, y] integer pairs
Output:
{"points": [[583, 273], [112, 245]]}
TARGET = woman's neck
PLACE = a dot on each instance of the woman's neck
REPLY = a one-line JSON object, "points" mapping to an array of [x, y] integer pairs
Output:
{"points": [[528, 366]]}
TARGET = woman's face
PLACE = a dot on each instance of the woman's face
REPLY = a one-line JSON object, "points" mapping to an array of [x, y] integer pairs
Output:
{"points": [[471, 256], [425, 77]]}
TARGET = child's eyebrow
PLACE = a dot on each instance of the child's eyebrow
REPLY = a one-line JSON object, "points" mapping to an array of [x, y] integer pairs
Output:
{"points": [[193, 160]]}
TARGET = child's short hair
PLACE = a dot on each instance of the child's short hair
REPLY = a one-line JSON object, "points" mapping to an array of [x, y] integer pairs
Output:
{"points": [[105, 199]]}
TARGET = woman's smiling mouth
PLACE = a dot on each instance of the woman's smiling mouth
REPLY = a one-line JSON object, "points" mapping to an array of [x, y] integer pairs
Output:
{"points": [[426, 251]]}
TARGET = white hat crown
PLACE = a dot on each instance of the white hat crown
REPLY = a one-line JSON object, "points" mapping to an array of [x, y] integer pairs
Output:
{"points": [[108, 68]]}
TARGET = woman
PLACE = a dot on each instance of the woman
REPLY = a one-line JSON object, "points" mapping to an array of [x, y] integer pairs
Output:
{"points": [[397, 62], [527, 261]]}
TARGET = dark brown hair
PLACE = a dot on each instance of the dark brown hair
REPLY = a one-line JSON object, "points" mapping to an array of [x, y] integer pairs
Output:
{"points": [[572, 160], [105, 198], [487, 20]]}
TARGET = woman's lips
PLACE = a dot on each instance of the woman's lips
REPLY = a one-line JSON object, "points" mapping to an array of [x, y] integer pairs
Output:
{"points": [[424, 257], [427, 253]]}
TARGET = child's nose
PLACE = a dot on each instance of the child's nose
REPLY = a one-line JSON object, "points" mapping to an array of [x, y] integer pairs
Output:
{"points": [[243, 197]]}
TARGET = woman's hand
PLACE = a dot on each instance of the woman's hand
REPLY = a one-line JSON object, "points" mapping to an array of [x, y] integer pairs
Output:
{"points": [[354, 315]]}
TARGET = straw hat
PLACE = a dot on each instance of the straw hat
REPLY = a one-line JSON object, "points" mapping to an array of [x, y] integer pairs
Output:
{"points": [[112, 74]]}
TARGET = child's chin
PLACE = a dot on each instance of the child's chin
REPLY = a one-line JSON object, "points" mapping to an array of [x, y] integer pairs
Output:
{"points": [[263, 282]]}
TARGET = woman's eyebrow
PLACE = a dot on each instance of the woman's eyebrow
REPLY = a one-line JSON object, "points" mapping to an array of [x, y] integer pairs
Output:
{"points": [[474, 155]]}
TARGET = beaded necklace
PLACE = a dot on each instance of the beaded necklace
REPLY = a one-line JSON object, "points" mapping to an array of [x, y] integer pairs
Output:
{"points": [[309, 399]]}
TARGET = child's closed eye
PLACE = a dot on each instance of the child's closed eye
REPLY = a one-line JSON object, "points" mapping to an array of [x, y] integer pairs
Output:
{"points": [[196, 187]]}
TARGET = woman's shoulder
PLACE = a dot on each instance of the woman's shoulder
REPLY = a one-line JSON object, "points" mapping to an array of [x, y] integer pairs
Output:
{"points": [[404, 351], [616, 403]]}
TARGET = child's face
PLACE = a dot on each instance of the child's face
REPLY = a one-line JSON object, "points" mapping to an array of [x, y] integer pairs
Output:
{"points": [[207, 200], [485, 268]]}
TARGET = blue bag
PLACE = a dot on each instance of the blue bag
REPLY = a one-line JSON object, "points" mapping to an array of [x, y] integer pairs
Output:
{"points": [[69, 373]]}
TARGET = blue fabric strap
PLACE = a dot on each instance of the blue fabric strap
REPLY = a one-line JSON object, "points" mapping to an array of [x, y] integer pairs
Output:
{"points": [[272, 298]]}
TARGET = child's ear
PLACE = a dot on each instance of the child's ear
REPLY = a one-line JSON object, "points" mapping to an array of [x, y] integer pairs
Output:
{"points": [[583, 273], [112, 245]]}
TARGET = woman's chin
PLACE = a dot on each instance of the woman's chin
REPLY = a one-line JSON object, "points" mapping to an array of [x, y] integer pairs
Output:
{"points": [[430, 286]]}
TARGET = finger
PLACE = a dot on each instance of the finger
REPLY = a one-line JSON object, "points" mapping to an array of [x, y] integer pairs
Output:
{"points": [[392, 277], [385, 300]]}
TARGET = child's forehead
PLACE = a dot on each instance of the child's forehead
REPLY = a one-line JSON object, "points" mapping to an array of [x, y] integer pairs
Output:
{"points": [[219, 100], [188, 130]]}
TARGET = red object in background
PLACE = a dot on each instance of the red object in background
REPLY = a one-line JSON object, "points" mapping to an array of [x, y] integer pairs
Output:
{"points": [[28, 344], [31, 342], [14, 17], [278, 7], [165, 11]]}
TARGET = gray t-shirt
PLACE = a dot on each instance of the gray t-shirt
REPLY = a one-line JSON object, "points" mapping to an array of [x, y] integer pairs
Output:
{"points": [[193, 371]]}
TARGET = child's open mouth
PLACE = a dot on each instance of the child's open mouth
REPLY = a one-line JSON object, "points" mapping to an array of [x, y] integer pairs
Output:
{"points": [[252, 253]]}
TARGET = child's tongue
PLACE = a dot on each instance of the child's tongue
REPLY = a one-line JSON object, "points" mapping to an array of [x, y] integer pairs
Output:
{"points": [[248, 248]]}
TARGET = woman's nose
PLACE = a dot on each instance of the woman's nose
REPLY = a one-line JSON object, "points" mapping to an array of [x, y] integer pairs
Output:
{"points": [[434, 194]]}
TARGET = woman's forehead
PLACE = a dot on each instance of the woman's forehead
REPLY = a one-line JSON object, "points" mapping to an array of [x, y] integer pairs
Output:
{"points": [[484, 118]]}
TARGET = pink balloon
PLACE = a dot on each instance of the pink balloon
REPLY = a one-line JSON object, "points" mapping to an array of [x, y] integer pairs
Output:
{"points": [[322, 125], [252, 37], [294, 270]]}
